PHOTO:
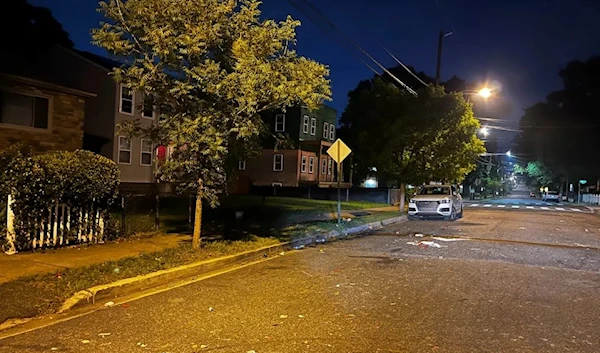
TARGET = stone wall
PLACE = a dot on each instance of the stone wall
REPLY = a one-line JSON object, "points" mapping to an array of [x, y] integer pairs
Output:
{"points": [[65, 128]]}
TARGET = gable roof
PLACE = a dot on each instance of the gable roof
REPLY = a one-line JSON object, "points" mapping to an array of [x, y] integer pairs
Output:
{"points": [[104, 62]]}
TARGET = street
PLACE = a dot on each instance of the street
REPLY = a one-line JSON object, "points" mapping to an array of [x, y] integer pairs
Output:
{"points": [[494, 281]]}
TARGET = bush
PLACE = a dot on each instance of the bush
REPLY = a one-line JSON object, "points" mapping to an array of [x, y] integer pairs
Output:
{"points": [[81, 180]]}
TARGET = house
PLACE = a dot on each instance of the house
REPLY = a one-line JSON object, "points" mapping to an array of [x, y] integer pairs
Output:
{"points": [[305, 165], [112, 104], [43, 115]]}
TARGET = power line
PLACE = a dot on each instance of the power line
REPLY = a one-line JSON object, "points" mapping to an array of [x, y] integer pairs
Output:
{"points": [[410, 90], [404, 66]]}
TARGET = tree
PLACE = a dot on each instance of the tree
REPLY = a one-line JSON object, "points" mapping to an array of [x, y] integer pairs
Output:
{"points": [[537, 173], [563, 132], [210, 66], [411, 139]]}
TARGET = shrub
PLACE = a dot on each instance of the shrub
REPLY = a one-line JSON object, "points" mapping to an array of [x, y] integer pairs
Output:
{"points": [[80, 180]]}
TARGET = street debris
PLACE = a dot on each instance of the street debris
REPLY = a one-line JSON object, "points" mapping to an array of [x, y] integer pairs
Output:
{"points": [[419, 235], [301, 316], [53, 349], [142, 345], [117, 270], [211, 309], [448, 239], [251, 352], [586, 230], [104, 334], [521, 228], [85, 341], [424, 244], [321, 251], [282, 253], [203, 346], [308, 274], [109, 304], [283, 316]]}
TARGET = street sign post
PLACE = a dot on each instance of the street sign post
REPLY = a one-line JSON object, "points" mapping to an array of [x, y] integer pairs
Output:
{"points": [[581, 182], [339, 151]]}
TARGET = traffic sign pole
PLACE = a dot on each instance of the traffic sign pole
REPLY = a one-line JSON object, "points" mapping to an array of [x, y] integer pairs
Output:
{"points": [[338, 152], [339, 165]]}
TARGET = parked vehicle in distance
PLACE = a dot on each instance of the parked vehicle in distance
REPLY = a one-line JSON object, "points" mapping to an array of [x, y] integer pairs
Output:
{"points": [[551, 196], [436, 201], [532, 194]]}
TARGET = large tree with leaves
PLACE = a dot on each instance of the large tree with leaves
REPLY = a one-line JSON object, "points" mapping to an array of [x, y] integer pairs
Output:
{"points": [[211, 66], [411, 139]]}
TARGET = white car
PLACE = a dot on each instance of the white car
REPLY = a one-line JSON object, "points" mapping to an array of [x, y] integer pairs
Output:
{"points": [[551, 196], [436, 201]]}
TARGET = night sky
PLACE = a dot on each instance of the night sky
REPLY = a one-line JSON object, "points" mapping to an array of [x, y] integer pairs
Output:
{"points": [[518, 44]]}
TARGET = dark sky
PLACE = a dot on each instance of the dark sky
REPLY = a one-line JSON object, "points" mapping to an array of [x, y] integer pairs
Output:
{"points": [[518, 44]]}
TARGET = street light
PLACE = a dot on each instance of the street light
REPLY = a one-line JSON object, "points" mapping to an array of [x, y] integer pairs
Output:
{"points": [[484, 131], [508, 153], [485, 92]]}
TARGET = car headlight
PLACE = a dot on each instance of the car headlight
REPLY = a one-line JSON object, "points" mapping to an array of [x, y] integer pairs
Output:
{"points": [[412, 201], [445, 201]]}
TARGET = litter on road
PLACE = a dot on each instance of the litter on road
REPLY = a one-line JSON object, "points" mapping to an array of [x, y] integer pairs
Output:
{"points": [[448, 239]]}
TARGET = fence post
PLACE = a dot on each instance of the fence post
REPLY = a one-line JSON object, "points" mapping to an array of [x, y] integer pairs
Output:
{"points": [[157, 217], [10, 228]]}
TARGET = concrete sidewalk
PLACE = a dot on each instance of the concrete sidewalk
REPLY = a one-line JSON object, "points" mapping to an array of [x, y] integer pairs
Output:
{"points": [[28, 263]]}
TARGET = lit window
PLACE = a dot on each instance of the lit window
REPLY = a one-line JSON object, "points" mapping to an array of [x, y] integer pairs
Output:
{"points": [[127, 101], [242, 165], [148, 108], [303, 165], [146, 152], [124, 150], [323, 166], [311, 165], [329, 167], [277, 162], [28, 111], [325, 130], [280, 123], [305, 124], [331, 131], [313, 126]]}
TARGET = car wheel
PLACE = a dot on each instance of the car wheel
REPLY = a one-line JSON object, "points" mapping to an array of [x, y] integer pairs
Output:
{"points": [[460, 214], [452, 216]]}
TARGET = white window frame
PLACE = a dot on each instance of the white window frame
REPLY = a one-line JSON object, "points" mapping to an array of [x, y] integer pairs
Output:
{"points": [[331, 132], [33, 95], [242, 164], [277, 184], [303, 165], [274, 162], [143, 103], [311, 165], [282, 116], [125, 150], [121, 101], [142, 152], [324, 166], [313, 126], [329, 166], [305, 124], [325, 130]]}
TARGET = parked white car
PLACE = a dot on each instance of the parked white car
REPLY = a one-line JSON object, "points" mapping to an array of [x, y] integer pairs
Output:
{"points": [[551, 196], [436, 201]]}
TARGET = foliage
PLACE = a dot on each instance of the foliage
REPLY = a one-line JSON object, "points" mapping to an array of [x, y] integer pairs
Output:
{"points": [[79, 179], [538, 173], [563, 132], [411, 139], [211, 67]]}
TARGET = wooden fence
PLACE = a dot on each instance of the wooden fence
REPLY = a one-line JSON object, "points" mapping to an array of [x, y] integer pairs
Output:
{"points": [[591, 198], [60, 225]]}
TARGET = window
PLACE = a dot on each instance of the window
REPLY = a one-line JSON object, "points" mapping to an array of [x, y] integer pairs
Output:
{"points": [[276, 184], [242, 165], [124, 150], [305, 124], [331, 131], [313, 126], [303, 165], [277, 162], [325, 130], [329, 167], [127, 101], [280, 123], [311, 165], [148, 107], [22, 110], [146, 152], [323, 166]]}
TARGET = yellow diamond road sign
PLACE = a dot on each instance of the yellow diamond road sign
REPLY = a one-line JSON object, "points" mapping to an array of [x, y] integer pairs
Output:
{"points": [[339, 151]]}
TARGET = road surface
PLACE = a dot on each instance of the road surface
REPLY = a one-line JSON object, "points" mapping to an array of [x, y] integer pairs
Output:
{"points": [[526, 281]]}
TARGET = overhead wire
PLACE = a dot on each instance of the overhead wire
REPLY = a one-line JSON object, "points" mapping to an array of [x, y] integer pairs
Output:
{"points": [[404, 66], [332, 25]]}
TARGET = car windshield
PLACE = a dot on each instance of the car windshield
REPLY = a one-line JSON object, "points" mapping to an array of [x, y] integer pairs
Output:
{"points": [[435, 190]]}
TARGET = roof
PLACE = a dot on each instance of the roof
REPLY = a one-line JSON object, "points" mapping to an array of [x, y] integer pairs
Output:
{"points": [[105, 62], [48, 85]]}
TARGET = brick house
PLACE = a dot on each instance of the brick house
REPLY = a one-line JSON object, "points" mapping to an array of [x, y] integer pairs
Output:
{"points": [[308, 164], [42, 115]]}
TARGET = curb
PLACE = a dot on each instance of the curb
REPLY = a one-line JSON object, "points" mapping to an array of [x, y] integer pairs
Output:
{"points": [[135, 284]]}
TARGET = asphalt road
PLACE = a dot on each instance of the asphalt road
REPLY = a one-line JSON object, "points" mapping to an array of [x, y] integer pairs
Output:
{"points": [[513, 282]]}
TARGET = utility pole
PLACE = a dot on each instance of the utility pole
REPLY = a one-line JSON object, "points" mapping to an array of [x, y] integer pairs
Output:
{"points": [[439, 55]]}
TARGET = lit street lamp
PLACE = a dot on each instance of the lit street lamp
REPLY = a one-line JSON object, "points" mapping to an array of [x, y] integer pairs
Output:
{"points": [[485, 92], [484, 131], [508, 153]]}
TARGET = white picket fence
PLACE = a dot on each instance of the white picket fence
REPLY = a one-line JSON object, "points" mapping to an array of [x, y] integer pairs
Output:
{"points": [[591, 198], [61, 226]]}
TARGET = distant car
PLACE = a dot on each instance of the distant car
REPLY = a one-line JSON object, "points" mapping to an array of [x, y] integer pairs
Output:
{"points": [[436, 201], [551, 196], [532, 194]]}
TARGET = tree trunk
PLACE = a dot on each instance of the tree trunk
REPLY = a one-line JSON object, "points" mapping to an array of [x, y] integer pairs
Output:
{"points": [[402, 197], [197, 218]]}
